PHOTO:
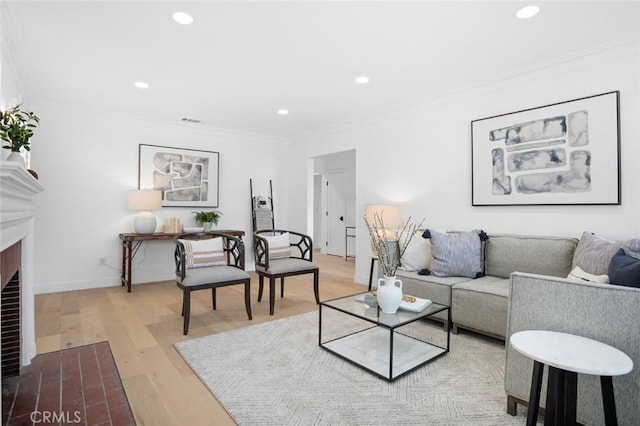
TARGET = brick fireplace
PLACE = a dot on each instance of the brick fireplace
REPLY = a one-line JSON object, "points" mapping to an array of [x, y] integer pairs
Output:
{"points": [[10, 310], [17, 225]]}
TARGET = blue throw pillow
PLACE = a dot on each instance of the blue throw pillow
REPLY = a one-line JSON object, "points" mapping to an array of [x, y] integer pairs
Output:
{"points": [[624, 269]]}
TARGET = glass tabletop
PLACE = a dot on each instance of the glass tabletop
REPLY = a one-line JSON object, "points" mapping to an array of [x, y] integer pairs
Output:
{"points": [[355, 305]]}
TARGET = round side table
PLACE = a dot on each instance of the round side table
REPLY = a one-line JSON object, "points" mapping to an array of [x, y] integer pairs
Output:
{"points": [[566, 355]]}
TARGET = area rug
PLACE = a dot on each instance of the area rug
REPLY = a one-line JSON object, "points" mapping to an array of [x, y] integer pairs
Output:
{"points": [[276, 374]]}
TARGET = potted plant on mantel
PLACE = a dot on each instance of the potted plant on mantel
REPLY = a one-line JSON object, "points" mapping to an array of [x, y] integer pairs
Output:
{"points": [[16, 128], [208, 218]]}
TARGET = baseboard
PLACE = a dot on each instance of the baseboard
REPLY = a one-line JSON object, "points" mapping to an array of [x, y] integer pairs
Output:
{"points": [[57, 287], [140, 279], [361, 279]]}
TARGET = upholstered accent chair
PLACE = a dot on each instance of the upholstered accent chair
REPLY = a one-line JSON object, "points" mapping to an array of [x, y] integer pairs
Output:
{"points": [[209, 260], [278, 254]]}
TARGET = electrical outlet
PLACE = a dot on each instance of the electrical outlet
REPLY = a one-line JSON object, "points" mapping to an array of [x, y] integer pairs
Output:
{"points": [[103, 261]]}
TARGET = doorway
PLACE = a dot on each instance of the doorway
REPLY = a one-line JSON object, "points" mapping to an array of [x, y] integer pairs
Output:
{"points": [[334, 196], [336, 212]]}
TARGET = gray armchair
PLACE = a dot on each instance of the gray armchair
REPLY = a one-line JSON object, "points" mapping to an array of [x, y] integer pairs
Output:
{"points": [[279, 254], [209, 260]]}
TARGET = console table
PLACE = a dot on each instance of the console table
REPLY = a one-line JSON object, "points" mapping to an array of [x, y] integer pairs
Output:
{"points": [[132, 241]]}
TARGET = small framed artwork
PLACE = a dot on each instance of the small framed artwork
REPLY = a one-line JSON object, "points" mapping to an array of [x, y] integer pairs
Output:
{"points": [[186, 177], [558, 154]]}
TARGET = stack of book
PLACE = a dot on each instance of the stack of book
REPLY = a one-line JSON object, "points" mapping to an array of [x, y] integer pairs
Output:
{"points": [[172, 225]]}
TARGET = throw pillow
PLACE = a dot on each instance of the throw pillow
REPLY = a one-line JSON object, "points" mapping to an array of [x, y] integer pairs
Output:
{"points": [[578, 275], [593, 254], [417, 255], [456, 255], [202, 253], [279, 245], [625, 269]]}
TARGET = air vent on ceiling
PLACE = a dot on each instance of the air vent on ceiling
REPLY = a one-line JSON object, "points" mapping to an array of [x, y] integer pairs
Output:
{"points": [[191, 120]]}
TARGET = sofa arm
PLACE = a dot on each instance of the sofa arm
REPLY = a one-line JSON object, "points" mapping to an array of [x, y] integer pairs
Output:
{"points": [[602, 312]]}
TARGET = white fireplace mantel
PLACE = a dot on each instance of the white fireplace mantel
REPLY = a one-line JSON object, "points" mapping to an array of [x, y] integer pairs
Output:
{"points": [[17, 223]]}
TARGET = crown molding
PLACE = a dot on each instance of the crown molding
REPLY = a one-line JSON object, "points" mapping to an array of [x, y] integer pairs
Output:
{"points": [[436, 99]]}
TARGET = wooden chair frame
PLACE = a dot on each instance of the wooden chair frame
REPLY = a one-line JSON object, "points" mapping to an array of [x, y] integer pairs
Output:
{"points": [[234, 250], [261, 255]]}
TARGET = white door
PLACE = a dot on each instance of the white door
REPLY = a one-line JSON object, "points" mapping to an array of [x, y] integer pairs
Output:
{"points": [[335, 213], [318, 212]]}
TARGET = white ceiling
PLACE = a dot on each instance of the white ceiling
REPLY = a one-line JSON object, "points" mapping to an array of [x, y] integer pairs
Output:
{"points": [[242, 61]]}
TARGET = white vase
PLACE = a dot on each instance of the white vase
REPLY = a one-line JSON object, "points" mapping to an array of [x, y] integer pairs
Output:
{"points": [[16, 157], [389, 294], [207, 226]]}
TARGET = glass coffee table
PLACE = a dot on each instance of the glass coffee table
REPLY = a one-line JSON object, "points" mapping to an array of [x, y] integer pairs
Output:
{"points": [[387, 345]]}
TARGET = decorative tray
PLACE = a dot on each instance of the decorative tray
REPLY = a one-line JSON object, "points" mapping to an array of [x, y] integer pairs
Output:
{"points": [[414, 304], [194, 229], [408, 303]]}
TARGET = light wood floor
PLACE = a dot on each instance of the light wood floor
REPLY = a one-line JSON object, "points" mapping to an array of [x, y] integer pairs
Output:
{"points": [[143, 325]]}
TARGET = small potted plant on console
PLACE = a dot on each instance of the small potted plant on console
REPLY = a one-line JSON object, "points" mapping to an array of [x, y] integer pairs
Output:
{"points": [[208, 218]]}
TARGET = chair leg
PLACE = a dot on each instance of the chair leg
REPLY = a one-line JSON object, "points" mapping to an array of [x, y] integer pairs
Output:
{"points": [[247, 298], [272, 295], [281, 286], [316, 289], [213, 298], [186, 296], [260, 285]]}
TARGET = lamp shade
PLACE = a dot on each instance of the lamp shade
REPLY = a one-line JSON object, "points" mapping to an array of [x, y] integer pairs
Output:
{"points": [[390, 214], [145, 199]]}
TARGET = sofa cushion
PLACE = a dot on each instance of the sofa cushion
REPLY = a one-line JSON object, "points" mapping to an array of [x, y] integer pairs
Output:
{"points": [[488, 284], [578, 275], [449, 281], [456, 254], [417, 255], [594, 253], [482, 305], [625, 269], [437, 289], [505, 254]]}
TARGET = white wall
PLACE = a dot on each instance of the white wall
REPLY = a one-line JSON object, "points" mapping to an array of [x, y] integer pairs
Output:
{"points": [[420, 158], [88, 161], [10, 90]]}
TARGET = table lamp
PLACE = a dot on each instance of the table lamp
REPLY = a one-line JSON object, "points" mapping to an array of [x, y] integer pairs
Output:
{"points": [[391, 218], [389, 214], [145, 200]]}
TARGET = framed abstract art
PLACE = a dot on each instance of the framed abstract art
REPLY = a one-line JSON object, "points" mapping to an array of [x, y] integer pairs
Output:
{"points": [[186, 177], [558, 154]]}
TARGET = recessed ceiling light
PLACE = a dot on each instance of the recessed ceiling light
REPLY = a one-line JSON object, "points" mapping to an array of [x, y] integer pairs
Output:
{"points": [[362, 79], [527, 12], [183, 18], [141, 84], [283, 111]]}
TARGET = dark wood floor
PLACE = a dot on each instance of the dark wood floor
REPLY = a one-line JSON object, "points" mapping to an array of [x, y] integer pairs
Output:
{"points": [[72, 386]]}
